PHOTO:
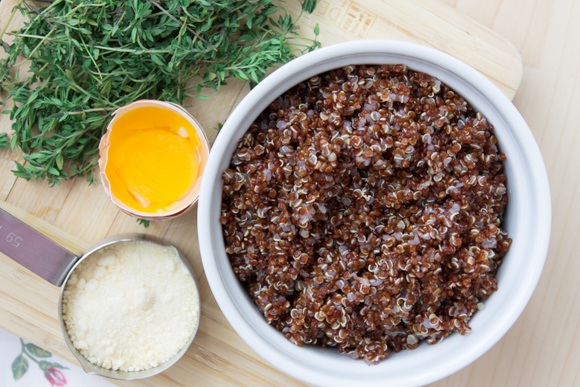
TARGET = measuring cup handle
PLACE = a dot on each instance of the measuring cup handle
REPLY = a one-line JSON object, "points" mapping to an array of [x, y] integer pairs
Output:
{"points": [[33, 250]]}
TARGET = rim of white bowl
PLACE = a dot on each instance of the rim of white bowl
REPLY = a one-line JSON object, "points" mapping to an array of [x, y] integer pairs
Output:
{"points": [[530, 183]]}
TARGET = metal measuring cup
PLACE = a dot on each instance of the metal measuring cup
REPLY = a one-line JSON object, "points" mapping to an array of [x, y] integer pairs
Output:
{"points": [[55, 264]]}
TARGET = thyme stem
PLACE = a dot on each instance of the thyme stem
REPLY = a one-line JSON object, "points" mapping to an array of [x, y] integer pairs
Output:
{"points": [[178, 22]]}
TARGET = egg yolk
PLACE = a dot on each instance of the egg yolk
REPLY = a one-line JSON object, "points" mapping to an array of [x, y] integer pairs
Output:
{"points": [[153, 159]]}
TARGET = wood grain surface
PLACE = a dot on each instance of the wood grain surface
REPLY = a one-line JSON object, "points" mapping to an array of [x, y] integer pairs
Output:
{"points": [[539, 350]]}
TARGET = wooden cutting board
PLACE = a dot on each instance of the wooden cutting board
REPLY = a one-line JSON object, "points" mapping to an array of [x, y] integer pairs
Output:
{"points": [[77, 215]]}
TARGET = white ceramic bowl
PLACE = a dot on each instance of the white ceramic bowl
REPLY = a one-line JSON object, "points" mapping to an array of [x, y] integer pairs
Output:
{"points": [[527, 221]]}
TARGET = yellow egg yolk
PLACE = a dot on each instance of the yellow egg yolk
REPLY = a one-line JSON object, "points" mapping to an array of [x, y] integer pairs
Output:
{"points": [[153, 159]]}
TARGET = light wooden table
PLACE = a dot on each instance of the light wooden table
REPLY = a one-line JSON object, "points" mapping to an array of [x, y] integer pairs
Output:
{"points": [[540, 349]]}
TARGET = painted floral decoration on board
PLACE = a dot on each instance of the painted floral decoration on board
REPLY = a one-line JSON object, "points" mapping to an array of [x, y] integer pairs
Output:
{"points": [[52, 371]]}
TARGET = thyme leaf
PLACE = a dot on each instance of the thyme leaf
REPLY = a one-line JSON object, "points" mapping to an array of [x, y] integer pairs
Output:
{"points": [[145, 223], [4, 141]]}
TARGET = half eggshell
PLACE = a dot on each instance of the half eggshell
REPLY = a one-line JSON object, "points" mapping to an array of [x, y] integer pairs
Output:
{"points": [[187, 201]]}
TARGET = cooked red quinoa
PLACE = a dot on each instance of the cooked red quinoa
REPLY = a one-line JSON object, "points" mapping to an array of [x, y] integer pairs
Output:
{"points": [[362, 211]]}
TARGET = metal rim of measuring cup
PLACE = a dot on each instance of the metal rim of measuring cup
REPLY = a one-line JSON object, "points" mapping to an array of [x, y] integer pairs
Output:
{"points": [[91, 368]]}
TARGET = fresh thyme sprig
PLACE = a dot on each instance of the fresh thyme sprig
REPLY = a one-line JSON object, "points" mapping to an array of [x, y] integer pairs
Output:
{"points": [[89, 57]]}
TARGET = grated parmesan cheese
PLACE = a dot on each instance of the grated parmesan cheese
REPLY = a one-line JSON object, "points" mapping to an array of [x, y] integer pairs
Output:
{"points": [[130, 306]]}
